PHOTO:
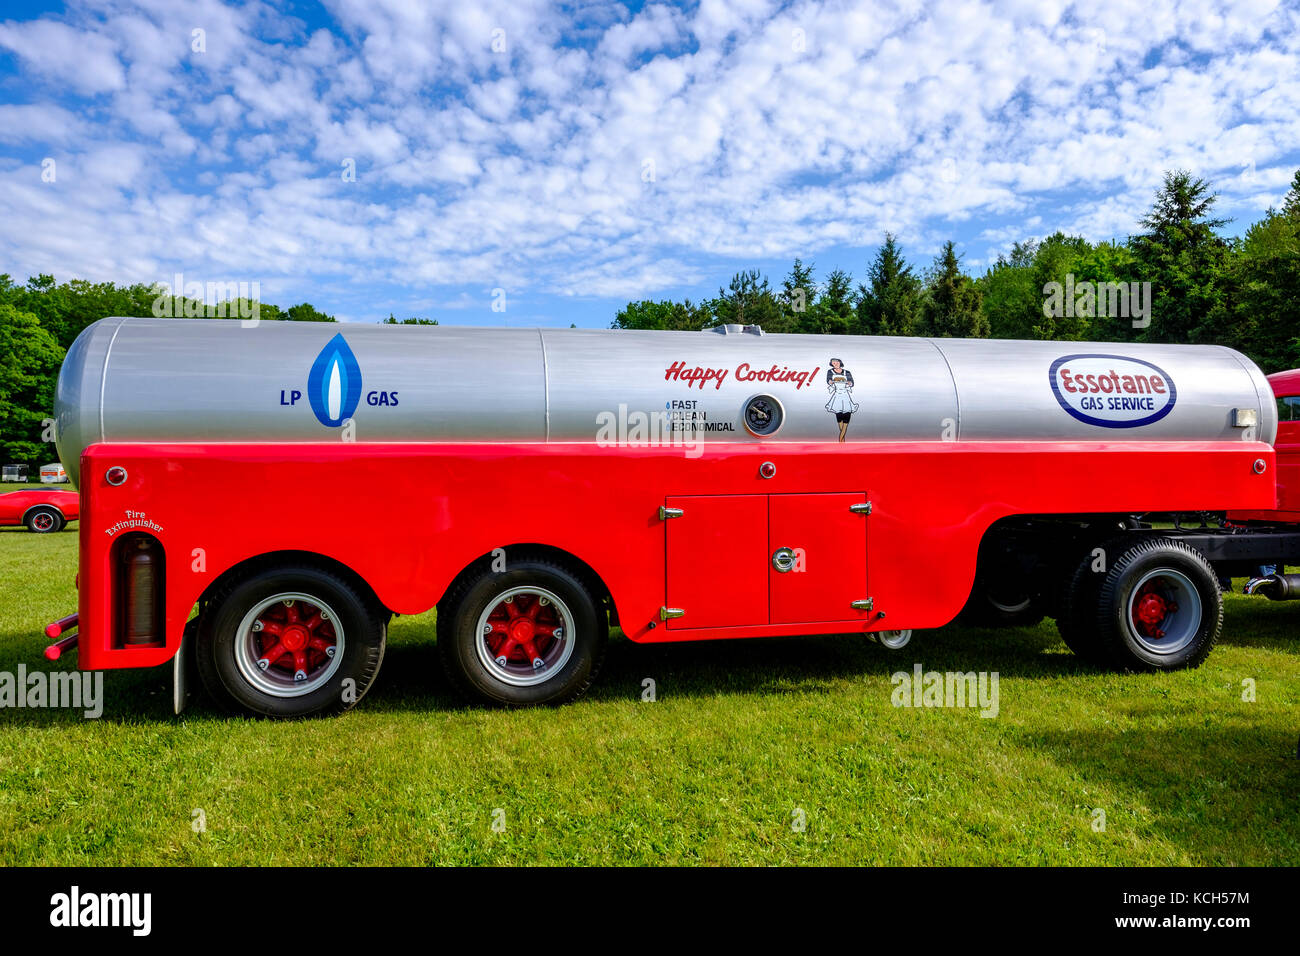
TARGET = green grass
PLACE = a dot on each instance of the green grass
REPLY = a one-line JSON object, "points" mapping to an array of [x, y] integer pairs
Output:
{"points": [[742, 735]]}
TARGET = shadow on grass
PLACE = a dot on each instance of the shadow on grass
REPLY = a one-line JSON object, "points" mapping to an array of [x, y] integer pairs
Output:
{"points": [[1259, 622], [1200, 792], [412, 677]]}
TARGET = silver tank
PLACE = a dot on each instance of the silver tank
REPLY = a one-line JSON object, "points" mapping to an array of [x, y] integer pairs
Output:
{"points": [[157, 380]]}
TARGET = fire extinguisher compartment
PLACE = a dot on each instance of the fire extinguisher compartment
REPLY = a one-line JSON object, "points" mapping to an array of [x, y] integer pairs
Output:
{"points": [[139, 587]]}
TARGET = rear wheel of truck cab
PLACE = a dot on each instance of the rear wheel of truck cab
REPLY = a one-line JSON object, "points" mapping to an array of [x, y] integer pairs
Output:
{"points": [[529, 635], [44, 521], [290, 642], [1159, 607]]}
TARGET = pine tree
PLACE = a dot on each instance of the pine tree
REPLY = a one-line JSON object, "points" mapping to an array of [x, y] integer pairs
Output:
{"points": [[833, 312], [748, 300], [889, 301], [1182, 258], [951, 307], [1291, 205], [798, 291]]}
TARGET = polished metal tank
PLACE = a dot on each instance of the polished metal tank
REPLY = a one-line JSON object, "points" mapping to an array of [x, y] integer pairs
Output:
{"points": [[191, 380]]}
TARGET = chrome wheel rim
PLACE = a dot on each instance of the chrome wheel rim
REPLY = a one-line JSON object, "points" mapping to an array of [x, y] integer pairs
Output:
{"points": [[289, 644], [1164, 611], [524, 636]]}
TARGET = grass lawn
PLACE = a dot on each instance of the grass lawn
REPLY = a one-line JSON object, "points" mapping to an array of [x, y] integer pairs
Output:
{"points": [[744, 736]]}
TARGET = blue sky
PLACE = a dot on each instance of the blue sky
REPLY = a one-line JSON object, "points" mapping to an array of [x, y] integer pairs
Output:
{"points": [[578, 157]]}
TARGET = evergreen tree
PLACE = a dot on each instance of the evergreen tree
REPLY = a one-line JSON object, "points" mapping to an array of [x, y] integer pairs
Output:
{"points": [[1259, 312], [1183, 259], [798, 293], [951, 308], [1291, 205], [748, 300], [833, 312], [889, 302]]}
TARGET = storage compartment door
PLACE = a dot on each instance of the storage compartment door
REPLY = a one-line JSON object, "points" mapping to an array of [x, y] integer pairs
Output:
{"points": [[829, 542], [717, 560]]}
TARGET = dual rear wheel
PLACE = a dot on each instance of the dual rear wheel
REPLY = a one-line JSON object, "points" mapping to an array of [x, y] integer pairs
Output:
{"points": [[298, 641], [1147, 605]]}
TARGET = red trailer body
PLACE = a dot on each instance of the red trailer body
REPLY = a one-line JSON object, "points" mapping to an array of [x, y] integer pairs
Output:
{"points": [[601, 507]]}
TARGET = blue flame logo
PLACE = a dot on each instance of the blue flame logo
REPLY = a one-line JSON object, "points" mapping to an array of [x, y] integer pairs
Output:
{"points": [[334, 385]]}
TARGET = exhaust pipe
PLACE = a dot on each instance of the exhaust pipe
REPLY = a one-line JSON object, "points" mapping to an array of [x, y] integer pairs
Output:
{"points": [[1276, 587], [894, 640], [57, 629]]}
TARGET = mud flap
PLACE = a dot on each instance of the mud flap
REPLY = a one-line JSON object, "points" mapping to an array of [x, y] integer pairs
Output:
{"points": [[184, 671]]}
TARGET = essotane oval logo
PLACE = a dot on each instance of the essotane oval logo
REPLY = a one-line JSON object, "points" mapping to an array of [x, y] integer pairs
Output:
{"points": [[1112, 391]]}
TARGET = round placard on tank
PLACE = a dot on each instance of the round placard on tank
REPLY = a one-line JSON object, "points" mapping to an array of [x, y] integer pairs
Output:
{"points": [[763, 415]]}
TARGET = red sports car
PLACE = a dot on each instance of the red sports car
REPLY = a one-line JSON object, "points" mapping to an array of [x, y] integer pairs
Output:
{"points": [[42, 511]]}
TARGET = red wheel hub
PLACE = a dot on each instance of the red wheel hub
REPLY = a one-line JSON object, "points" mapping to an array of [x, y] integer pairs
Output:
{"points": [[522, 629], [295, 637], [1151, 609]]}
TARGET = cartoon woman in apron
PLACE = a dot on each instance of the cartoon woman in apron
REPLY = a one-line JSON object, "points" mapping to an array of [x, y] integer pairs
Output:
{"points": [[839, 382]]}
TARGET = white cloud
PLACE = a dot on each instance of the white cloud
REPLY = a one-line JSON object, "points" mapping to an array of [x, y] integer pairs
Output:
{"points": [[84, 59], [615, 154]]}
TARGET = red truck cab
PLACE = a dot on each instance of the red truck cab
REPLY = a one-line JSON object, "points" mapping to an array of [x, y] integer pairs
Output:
{"points": [[1286, 388]]}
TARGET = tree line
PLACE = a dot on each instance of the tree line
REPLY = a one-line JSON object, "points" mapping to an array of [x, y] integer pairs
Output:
{"points": [[1177, 280]]}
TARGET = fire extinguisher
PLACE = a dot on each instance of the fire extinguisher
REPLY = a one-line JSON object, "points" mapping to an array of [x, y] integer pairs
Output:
{"points": [[141, 574]]}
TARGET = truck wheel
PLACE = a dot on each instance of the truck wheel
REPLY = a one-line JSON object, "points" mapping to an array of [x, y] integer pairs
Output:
{"points": [[1159, 607], [1077, 617], [528, 635], [44, 521], [290, 642]]}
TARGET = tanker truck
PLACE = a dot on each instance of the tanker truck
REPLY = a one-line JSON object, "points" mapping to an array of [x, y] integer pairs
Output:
{"points": [[258, 500]]}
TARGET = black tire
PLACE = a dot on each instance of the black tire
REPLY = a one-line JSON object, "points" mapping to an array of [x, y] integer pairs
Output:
{"points": [[1076, 619], [481, 591], [1189, 591], [218, 652], [44, 520]]}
